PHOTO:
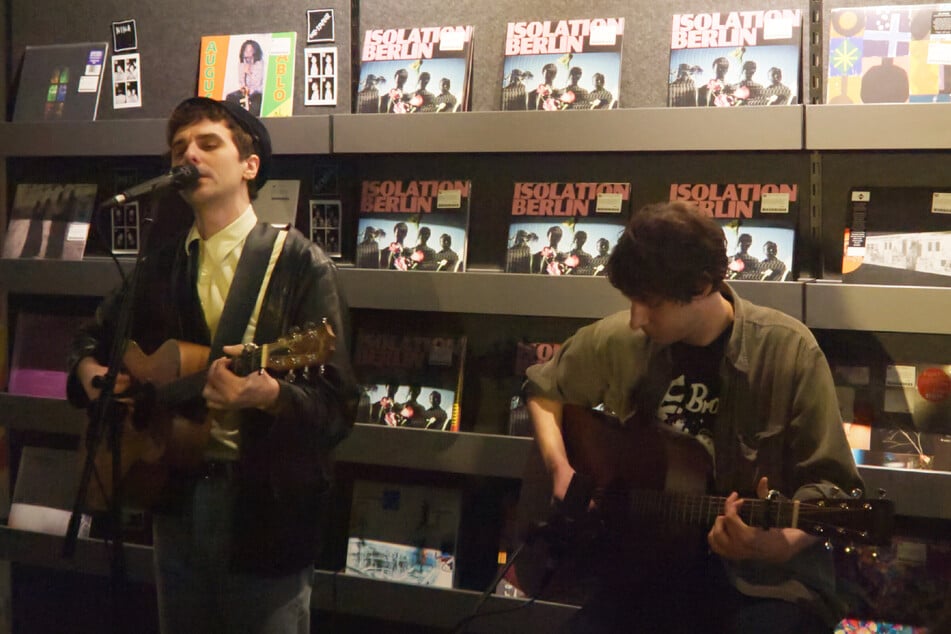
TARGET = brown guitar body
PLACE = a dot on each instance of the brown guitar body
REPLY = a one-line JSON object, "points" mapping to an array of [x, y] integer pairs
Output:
{"points": [[653, 511], [618, 459], [176, 372], [168, 440]]}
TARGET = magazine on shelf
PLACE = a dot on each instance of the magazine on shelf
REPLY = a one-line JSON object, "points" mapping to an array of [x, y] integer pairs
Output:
{"points": [[413, 225], [898, 235], [412, 70], [759, 222], [735, 58], [527, 354], [572, 64], [409, 380], [38, 363], [60, 82], [277, 202], [889, 54], [405, 533], [49, 221], [45, 491], [566, 228], [897, 415], [253, 70]]}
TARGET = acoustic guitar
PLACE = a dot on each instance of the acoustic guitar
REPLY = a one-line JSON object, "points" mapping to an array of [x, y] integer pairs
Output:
{"points": [[650, 494], [168, 426]]}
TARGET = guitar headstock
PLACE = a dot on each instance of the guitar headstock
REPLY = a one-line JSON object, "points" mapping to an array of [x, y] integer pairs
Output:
{"points": [[300, 348], [849, 521]]}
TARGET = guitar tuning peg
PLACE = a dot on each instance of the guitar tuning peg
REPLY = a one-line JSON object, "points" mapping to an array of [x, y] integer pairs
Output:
{"points": [[881, 494], [310, 325], [827, 545], [306, 373], [291, 376], [857, 493], [294, 331]]}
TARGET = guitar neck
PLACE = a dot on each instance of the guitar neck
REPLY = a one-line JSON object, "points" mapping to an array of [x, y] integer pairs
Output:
{"points": [[689, 509]]}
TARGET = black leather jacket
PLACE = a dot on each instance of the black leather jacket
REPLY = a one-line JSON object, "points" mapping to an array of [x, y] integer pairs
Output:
{"points": [[285, 462]]}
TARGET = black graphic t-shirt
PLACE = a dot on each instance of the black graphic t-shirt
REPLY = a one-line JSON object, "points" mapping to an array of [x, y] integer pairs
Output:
{"points": [[692, 400]]}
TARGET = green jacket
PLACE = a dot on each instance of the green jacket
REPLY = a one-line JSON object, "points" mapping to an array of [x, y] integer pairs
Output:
{"points": [[778, 417]]}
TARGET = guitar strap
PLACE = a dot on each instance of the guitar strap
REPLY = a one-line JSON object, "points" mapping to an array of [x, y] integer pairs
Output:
{"points": [[245, 287]]}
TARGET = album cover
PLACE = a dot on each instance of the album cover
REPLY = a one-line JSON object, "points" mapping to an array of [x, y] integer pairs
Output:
{"points": [[565, 228], [60, 82], [277, 202], [572, 64], [49, 220], [254, 70], [889, 54], [527, 354], [898, 235], [45, 490], [126, 227], [415, 70], [325, 221], [38, 363], [735, 58], [413, 225], [320, 76], [409, 380], [126, 84], [896, 415], [405, 533], [758, 220]]}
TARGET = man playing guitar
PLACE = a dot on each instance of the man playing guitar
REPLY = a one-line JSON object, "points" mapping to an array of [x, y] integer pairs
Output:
{"points": [[236, 534], [750, 387]]}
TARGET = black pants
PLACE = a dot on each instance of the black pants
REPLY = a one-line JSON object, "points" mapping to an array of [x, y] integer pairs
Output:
{"points": [[693, 599]]}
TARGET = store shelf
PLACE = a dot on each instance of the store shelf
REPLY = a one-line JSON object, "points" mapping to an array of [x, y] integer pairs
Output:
{"points": [[472, 292], [520, 294], [45, 415], [91, 556], [139, 137], [915, 493], [910, 309], [449, 452], [919, 126], [92, 277], [635, 130], [482, 293], [333, 592], [452, 452], [432, 607], [145, 137]]}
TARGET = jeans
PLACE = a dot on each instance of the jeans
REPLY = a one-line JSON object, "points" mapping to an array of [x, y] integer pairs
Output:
{"points": [[197, 589]]}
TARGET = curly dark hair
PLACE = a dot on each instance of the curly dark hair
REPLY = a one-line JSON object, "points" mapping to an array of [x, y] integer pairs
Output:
{"points": [[668, 251]]}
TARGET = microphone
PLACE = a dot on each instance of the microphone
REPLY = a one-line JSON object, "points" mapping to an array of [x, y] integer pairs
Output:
{"points": [[178, 177]]}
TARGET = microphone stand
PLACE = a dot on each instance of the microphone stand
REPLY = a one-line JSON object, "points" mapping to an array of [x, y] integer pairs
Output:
{"points": [[550, 532], [107, 416]]}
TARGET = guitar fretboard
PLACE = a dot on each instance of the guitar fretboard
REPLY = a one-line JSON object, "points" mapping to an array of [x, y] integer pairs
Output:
{"points": [[689, 509]]}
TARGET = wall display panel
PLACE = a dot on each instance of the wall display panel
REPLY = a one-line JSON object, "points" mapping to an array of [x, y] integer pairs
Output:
{"points": [[169, 36], [646, 48], [897, 169], [886, 87], [651, 178]]}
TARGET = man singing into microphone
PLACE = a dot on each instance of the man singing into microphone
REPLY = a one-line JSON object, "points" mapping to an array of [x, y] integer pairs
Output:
{"points": [[235, 538]]}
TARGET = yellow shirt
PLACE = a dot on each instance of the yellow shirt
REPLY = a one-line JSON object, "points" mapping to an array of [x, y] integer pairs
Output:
{"points": [[217, 261]]}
